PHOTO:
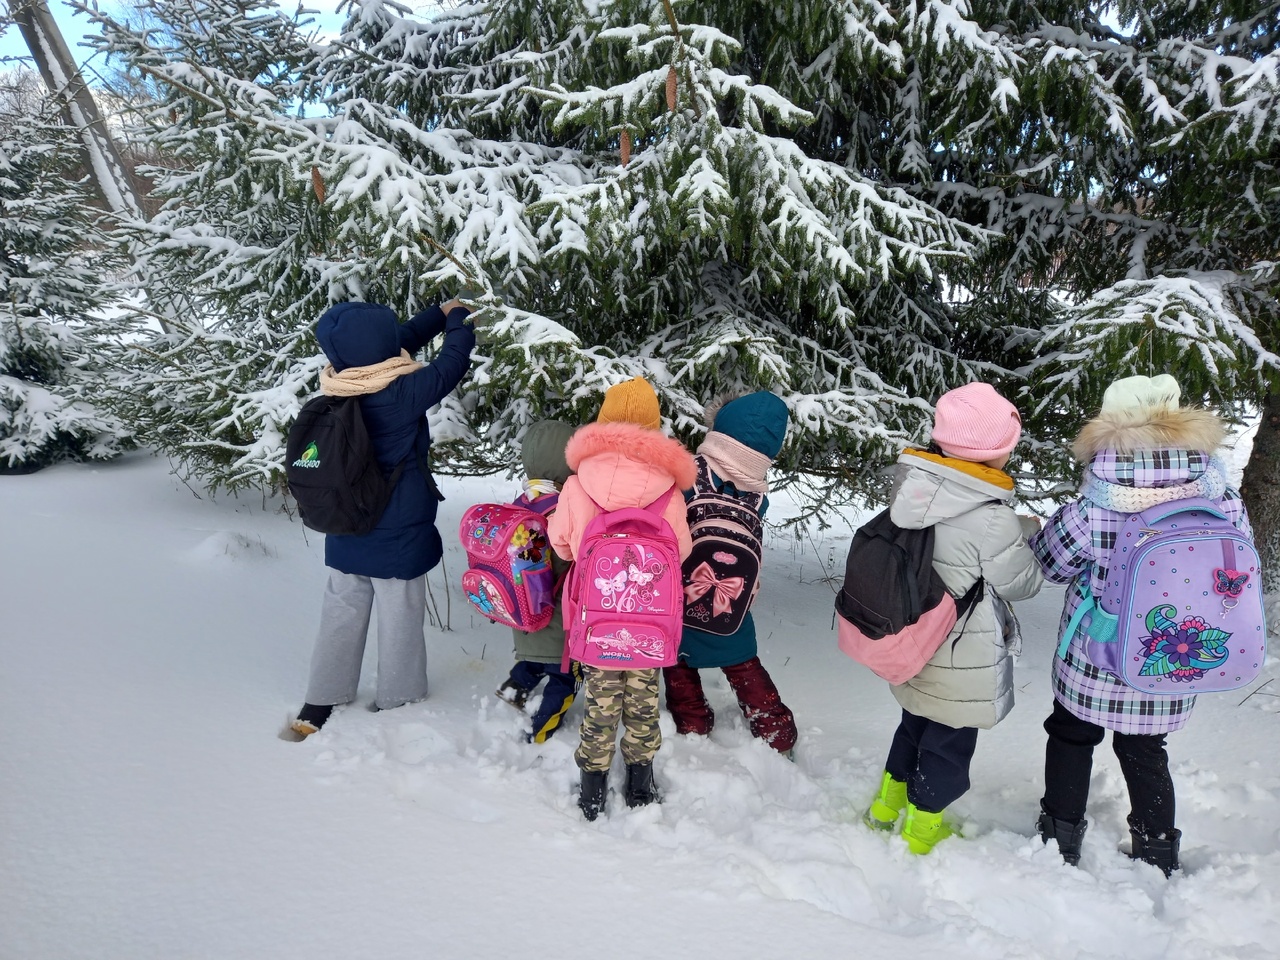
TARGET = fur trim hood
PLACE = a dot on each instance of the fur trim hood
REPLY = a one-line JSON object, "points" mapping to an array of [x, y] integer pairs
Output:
{"points": [[1128, 431], [644, 448], [711, 409]]}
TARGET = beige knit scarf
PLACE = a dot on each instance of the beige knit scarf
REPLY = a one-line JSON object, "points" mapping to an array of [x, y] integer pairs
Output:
{"points": [[361, 381], [731, 460]]}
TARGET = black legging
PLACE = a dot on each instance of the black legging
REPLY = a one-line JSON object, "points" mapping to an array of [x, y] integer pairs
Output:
{"points": [[1068, 764]]}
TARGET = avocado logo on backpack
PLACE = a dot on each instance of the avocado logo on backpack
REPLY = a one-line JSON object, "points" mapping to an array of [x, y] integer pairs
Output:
{"points": [[310, 457]]}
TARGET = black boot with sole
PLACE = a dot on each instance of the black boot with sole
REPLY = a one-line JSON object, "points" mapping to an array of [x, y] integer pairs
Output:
{"points": [[1070, 836], [592, 793], [641, 790]]}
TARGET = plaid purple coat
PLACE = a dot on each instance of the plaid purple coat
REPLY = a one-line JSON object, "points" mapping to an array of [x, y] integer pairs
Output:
{"points": [[1075, 547]]}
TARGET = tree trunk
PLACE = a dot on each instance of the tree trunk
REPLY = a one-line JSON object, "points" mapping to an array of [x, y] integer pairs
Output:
{"points": [[63, 78], [1261, 490]]}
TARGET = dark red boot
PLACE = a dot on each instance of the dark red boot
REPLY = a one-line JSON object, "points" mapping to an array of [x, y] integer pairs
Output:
{"points": [[768, 717], [686, 701]]}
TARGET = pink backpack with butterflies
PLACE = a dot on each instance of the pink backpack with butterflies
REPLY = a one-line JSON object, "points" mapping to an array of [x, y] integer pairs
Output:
{"points": [[1182, 610], [509, 578], [624, 605]]}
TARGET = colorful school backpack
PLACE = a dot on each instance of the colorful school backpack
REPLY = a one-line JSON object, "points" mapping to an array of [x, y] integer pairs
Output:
{"points": [[1182, 610], [509, 578], [722, 573], [893, 610], [625, 603]]}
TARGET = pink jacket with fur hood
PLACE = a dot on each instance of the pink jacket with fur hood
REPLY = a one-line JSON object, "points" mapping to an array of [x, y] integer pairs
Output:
{"points": [[620, 465]]}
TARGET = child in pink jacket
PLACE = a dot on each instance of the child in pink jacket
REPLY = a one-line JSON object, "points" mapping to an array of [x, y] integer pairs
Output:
{"points": [[621, 460]]}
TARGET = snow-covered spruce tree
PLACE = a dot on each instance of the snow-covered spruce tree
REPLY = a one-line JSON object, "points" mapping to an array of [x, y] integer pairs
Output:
{"points": [[54, 278], [731, 250], [235, 256], [1183, 278], [1046, 126], [775, 223]]}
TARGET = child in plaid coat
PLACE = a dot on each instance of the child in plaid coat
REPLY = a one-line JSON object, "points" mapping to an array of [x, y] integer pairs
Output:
{"points": [[1142, 450]]}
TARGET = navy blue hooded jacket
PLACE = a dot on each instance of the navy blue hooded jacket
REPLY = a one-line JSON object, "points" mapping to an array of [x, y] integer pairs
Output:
{"points": [[405, 544]]}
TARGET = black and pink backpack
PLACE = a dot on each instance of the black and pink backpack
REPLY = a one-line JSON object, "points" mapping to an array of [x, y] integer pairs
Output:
{"points": [[722, 573], [509, 577]]}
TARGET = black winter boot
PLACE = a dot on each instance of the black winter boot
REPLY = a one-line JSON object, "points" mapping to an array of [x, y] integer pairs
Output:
{"points": [[641, 790], [1070, 836], [311, 718], [1161, 852], [591, 793]]}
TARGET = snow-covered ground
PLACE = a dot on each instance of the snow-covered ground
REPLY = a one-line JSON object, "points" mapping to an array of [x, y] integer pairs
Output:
{"points": [[153, 643]]}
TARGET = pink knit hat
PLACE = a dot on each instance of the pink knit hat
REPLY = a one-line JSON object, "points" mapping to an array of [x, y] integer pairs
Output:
{"points": [[974, 422]]}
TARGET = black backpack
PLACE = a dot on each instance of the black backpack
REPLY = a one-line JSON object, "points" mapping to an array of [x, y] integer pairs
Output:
{"points": [[332, 470], [722, 571], [889, 580]]}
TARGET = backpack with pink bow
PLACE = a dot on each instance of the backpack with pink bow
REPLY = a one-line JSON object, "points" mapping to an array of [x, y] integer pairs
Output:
{"points": [[722, 573]]}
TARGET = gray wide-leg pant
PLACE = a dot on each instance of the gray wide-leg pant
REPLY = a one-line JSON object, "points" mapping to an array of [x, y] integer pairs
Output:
{"points": [[344, 623]]}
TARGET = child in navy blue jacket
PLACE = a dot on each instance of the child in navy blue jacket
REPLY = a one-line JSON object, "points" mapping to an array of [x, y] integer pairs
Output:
{"points": [[369, 353]]}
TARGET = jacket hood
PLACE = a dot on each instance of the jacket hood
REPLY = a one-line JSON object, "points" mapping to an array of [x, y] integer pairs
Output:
{"points": [[358, 334], [1127, 431], [542, 451], [623, 465], [756, 420], [1146, 469], [929, 488]]}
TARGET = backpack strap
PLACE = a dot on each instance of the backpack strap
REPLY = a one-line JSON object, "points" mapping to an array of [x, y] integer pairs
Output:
{"points": [[703, 479], [965, 605], [659, 505], [543, 504], [705, 482], [1086, 605]]}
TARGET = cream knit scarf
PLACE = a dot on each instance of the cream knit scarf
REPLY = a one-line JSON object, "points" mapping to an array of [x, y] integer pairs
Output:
{"points": [[1211, 485], [361, 381], [736, 462]]}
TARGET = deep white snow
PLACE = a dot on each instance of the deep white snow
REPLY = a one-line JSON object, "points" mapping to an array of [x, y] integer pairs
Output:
{"points": [[153, 643]]}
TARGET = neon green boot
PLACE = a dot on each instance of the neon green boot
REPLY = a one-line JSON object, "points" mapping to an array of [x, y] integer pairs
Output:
{"points": [[923, 830], [887, 805]]}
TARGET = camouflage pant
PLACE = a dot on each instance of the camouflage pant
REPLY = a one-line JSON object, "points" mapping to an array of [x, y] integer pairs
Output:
{"points": [[612, 695]]}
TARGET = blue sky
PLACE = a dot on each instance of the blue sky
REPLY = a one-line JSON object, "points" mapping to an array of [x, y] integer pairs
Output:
{"points": [[74, 27]]}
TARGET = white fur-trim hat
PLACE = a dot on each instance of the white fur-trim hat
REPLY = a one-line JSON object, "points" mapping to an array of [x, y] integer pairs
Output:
{"points": [[1160, 392], [1143, 413]]}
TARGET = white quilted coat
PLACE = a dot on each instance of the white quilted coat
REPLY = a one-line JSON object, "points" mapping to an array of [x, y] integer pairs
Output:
{"points": [[969, 681]]}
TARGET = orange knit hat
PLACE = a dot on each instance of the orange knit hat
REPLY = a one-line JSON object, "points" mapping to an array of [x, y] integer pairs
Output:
{"points": [[631, 402]]}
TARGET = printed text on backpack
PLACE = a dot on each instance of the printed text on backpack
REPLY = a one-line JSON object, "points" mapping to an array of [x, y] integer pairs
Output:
{"points": [[1182, 610], [626, 605], [509, 578], [722, 573]]}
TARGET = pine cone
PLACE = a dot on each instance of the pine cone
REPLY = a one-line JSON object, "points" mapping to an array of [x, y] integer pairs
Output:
{"points": [[626, 145], [671, 88], [317, 184]]}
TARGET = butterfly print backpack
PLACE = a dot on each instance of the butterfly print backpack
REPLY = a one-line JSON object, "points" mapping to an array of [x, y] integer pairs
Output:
{"points": [[625, 599], [509, 578], [722, 573], [1182, 610]]}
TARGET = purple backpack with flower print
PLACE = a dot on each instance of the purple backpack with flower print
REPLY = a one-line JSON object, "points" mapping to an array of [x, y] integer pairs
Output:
{"points": [[1181, 612]]}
